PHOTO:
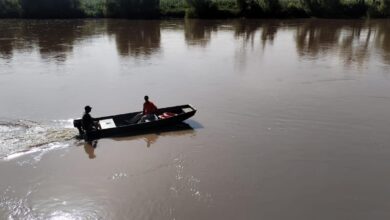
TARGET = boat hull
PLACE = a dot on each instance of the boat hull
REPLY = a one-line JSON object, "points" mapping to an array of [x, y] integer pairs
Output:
{"points": [[124, 127]]}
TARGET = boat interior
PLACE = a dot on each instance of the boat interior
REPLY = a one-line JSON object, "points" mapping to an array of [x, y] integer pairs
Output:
{"points": [[133, 118]]}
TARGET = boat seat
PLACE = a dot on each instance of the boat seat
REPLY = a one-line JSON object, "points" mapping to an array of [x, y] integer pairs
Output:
{"points": [[186, 110]]}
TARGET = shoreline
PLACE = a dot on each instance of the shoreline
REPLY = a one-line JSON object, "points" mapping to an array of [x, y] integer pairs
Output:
{"points": [[204, 9]]}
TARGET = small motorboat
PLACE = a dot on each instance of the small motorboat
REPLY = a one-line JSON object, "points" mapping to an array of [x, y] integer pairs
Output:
{"points": [[124, 124]]}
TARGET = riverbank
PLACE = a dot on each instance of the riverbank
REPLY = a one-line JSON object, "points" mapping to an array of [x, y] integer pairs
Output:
{"points": [[194, 8]]}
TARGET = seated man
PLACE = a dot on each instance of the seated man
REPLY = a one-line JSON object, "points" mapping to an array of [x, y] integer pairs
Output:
{"points": [[149, 111], [88, 122]]}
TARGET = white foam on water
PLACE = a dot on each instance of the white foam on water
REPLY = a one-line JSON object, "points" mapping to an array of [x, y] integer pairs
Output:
{"points": [[18, 138], [21, 205]]}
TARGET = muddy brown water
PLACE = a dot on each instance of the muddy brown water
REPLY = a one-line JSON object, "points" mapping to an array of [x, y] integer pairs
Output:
{"points": [[293, 119]]}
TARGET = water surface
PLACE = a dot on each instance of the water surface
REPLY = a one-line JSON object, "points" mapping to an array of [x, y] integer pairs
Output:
{"points": [[292, 119]]}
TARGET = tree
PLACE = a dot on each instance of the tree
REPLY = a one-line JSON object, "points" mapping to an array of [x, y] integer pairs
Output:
{"points": [[259, 8], [323, 8], [133, 8], [202, 8], [380, 8], [51, 8], [271, 6], [250, 8], [10, 9]]}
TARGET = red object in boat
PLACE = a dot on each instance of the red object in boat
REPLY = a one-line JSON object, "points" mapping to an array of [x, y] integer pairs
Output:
{"points": [[167, 115]]}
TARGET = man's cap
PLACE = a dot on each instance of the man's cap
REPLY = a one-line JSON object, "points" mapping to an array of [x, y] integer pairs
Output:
{"points": [[87, 107]]}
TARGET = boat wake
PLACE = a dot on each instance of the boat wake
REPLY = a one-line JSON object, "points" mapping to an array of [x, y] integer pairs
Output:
{"points": [[22, 137]]}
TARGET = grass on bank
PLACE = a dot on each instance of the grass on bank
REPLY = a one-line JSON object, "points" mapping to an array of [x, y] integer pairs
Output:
{"points": [[93, 8]]}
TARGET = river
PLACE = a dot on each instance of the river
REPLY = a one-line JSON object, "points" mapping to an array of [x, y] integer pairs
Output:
{"points": [[292, 122]]}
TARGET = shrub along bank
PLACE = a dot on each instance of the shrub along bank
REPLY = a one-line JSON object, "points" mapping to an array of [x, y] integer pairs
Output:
{"points": [[194, 8]]}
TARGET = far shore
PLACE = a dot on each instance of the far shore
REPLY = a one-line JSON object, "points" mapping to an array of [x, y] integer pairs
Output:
{"points": [[206, 9]]}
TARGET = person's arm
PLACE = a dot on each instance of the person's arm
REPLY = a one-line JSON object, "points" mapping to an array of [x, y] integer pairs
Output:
{"points": [[92, 119], [143, 111], [83, 124], [95, 123]]}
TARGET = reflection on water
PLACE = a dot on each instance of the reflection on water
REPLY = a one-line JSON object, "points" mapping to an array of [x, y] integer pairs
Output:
{"points": [[247, 30], [181, 129], [349, 38], [382, 40], [89, 147], [137, 38], [54, 39], [353, 40], [198, 32]]}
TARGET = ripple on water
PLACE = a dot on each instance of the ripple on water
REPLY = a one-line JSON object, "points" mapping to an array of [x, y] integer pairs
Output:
{"points": [[188, 184], [22, 137], [23, 207], [118, 176]]}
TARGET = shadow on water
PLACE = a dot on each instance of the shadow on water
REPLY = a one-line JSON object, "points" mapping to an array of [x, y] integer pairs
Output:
{"points": [[176, 130], [152, 138], [182, 129]]}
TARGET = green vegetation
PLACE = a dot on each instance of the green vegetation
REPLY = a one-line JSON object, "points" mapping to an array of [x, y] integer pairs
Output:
{"points": [[195, 8], [10, 8], [173, 8], [93, 8], [133, 8], [379, 8], [51, 8]]}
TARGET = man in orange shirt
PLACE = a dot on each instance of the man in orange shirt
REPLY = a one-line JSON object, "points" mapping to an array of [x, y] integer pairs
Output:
{"points": [[149, 111]]}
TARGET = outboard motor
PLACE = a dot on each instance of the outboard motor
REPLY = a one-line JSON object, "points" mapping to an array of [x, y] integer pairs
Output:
{"points": [[78, 124]]}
